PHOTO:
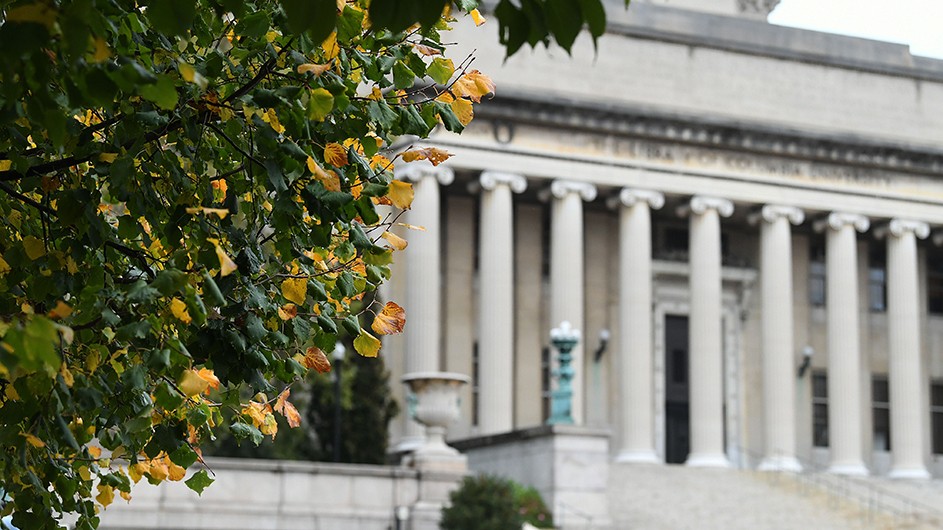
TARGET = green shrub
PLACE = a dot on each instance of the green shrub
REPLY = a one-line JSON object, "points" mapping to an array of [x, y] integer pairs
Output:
{"points": [[495, 503]]}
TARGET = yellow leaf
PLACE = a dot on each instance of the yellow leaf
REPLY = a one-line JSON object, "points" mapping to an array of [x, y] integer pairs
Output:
{"points": [[473, 85], [476, 16], [106, 495], [396, 242], [316, 69], [288, 410], [381, 162], [4, 266], [179, 309], [390, 320], [315, 359], [126, 495], [190, 75], [85, 473], [136, 471], [269, 425], [5, 165], [328, 179], [220, 212], [33, 440], [107, 157], [401, 194], [62, 310], [158, 470], [191, 384], [428, 51], [433, 154], [295, 290], [288, 311], [174, 472], [463, 110], [330, 47], [67, 377], [366, 344], [226, 264], [102, 51], [271, 117], [34, 247], [95, 452], [335, 154]]}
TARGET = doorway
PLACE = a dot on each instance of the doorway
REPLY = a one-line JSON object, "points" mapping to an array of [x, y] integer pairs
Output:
{"points": [[677, 391]]}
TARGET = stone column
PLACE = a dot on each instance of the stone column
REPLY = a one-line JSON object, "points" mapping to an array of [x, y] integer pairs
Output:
{"points": [[907, 380], [635, 325], [566, 270], [423, 278], [779, 379], [496, 301], [844, 353], [706, 343]]}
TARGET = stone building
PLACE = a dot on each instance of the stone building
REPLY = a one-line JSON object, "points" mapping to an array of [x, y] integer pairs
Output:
{"points": [[743, 220]]}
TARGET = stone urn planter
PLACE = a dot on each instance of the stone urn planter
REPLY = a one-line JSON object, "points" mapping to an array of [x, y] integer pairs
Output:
{"points": [[436, 405]]}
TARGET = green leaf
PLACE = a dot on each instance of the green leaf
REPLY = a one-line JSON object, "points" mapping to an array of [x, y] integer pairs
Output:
{"points": [[595, 16], [564, 20], [172, 16], [317, 17], [163, 92], [242, 431], [253, 26], [320, 104], [200, 480], [441, 70]]}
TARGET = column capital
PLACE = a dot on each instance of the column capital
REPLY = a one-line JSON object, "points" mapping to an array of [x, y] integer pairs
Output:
{"points": [[700, 204], [633, 196], [898, 227], [838, 220], [489, 180], [772, 212], [414, 172], [561, 188]]}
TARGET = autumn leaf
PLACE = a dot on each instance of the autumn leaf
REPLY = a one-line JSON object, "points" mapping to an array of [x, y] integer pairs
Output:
{"points": [[335, 154], [106, 495], [108, 158], [191, 384], [62, 310], [315, 359], [433, 154], [367, 345], [401, 194], [295, 290], [476, 16], [271, 117], [211, 380], [226, 264], [219, 212], [4, 266], [33, 440], [473, 85], [390, 320], [380, 162], [288, 311], [102, 52], [328, 179], [396, 242], [316, 69], [330, 47], [463, 110], [179, 309], [288, 410]]}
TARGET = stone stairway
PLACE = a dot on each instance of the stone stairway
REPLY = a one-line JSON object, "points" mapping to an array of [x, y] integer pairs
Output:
{"points": [[657, 497]]}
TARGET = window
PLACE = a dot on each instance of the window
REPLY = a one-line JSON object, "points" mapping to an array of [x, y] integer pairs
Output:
{"points": [[545, 392], [877, 279], [819, 410], [881, 406], [936, 416], [935, 281], [817, 274]]}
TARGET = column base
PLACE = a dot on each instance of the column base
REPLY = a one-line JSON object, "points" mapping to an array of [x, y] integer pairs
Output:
{"points": [[909, 473], [788, 464], [637, 457], [707, 460], [854, 469]]}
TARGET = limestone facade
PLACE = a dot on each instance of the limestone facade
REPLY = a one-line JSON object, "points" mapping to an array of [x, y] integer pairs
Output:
{"points": [[720, 196]]}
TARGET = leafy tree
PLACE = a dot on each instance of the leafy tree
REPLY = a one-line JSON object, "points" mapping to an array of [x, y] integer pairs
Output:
{"points": [[188, 208]]}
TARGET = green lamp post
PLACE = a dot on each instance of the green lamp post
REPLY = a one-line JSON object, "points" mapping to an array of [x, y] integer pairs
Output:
{"points": [[564, 339]]}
